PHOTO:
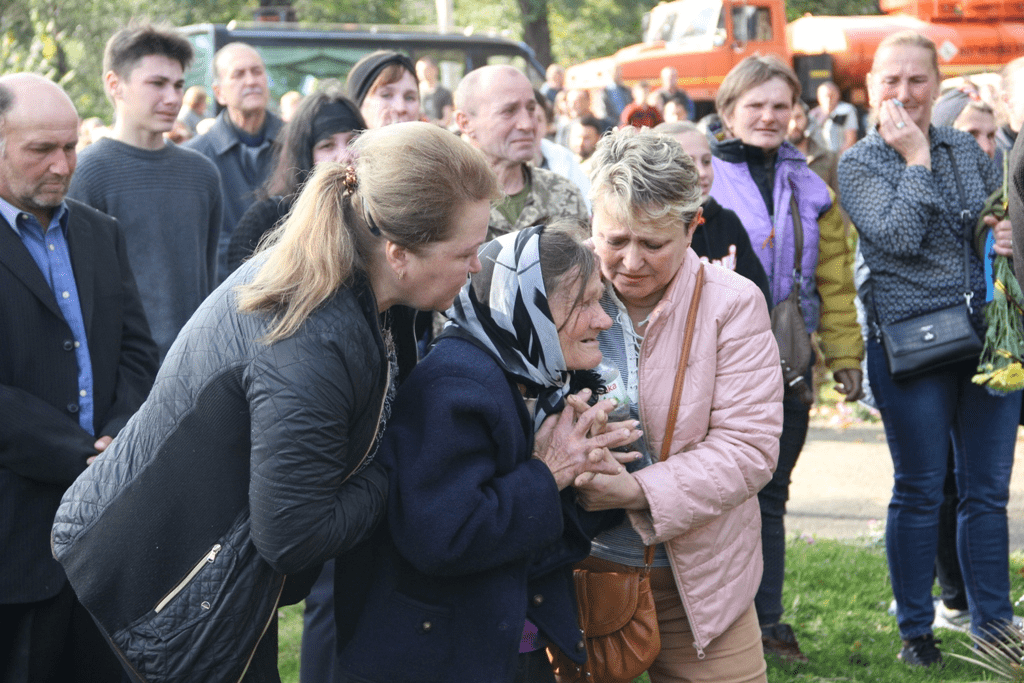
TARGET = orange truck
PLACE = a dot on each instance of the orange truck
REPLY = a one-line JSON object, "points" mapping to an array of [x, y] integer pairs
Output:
{"points": [[704, 39]]}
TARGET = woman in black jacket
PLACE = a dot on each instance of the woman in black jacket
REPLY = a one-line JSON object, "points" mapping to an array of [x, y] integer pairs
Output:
{"points": [[721, 238], [253, 457]]}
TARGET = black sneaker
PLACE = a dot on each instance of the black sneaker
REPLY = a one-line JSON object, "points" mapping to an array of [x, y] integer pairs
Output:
{"points": [[779, 640], [921, 651]]}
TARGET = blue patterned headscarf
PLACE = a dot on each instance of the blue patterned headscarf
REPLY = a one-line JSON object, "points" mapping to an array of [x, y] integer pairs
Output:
{"points": [[504, 310]]}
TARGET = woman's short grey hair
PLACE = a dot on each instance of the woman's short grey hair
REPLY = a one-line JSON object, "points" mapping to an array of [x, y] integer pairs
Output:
{"points": [[644, 177]]}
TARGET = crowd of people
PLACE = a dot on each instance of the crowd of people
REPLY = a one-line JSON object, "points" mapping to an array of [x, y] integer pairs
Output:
{"points": [[360, 353]]}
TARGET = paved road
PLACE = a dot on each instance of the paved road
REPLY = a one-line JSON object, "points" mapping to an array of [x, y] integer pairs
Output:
{"points": [[843, 480]]}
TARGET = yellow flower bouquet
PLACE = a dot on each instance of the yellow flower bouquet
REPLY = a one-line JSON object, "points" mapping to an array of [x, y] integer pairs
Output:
{"points": [[1000, 368]]}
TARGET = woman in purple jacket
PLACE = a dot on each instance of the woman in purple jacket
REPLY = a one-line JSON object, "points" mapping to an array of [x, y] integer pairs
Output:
{"points": [[757, 174]]}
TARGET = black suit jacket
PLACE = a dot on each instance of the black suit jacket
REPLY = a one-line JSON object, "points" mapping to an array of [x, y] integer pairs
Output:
{"points": [[42, 447]]}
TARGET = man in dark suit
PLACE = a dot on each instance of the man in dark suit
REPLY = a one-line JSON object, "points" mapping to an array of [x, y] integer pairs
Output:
{"points": [[76, 361]]}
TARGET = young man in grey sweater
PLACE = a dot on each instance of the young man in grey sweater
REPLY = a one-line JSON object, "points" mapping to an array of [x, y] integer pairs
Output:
{"points": [[168, 199]]}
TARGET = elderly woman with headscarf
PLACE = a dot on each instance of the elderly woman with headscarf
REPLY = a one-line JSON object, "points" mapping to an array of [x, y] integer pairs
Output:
{"points": [[473, 573]]}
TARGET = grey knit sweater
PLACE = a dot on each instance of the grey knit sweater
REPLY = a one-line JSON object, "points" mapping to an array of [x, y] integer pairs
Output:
{"points": [[169, 205]]}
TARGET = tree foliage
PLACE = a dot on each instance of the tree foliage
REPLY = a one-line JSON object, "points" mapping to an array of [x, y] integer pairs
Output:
{"points": [[64, 40], [608, 25], [349, 11]]}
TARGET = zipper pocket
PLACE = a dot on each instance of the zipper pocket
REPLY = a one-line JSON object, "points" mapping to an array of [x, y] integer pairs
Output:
{"points": [[207, 559]]}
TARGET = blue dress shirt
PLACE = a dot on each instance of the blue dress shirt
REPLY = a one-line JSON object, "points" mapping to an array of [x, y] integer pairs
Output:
{"points": [[49, 250]]}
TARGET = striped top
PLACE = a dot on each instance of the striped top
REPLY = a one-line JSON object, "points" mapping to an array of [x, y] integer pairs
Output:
{"points": [[620, 345]]}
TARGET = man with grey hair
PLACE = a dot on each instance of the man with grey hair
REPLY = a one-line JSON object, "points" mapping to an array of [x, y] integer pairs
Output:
{"points": [[495, 110], [77, 362], [241, 141]]}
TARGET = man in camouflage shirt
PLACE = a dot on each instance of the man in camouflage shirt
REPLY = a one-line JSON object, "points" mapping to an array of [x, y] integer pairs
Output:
{"points": [[495, 111]]}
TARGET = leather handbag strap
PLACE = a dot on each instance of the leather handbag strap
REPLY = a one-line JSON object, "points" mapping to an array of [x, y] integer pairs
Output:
{"points": [[677, 388], [684, 358], [965, 224], [798, 235]]}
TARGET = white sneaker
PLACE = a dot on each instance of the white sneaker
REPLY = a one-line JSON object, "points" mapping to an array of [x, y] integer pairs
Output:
{"points": [[952, 619], [960, 619]]}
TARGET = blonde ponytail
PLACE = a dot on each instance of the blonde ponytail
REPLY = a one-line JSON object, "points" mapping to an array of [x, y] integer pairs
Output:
{"points": [[411, 181]]}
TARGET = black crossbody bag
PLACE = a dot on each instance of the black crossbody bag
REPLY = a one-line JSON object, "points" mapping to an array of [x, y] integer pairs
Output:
{"points": [[930, 340]]}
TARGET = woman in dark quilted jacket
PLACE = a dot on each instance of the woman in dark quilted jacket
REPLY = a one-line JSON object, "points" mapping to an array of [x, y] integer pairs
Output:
{"points": [[252, 462]]}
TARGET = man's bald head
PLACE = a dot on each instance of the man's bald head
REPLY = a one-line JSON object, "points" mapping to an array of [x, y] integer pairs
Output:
{"points": [[224, 56], [479, 85], [31, 95], [38, 134]]}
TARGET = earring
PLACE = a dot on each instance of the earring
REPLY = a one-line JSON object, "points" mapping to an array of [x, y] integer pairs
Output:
{"points": [[401, 275]]}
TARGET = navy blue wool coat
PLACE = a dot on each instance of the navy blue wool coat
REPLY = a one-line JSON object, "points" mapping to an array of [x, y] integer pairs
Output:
{"points": [[479, 536]]}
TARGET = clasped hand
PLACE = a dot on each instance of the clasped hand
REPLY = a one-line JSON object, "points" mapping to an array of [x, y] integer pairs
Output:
{"points": [[578, 440]]}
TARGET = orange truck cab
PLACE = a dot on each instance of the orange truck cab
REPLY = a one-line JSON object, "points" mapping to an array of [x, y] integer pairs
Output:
{"points": [[704, 39]]}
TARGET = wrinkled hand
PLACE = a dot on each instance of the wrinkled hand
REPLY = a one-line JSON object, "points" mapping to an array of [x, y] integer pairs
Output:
{"points": [[100, 446], [902, 134], [608, 492], [1002, 231], [578, 402], [849, 383], [565, 445]]}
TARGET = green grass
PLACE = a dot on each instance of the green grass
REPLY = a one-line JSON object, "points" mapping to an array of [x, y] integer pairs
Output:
{"points": [[836, 597]]}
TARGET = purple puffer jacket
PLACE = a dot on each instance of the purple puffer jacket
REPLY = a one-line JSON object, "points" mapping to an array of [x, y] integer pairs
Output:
{"points": [[772, 236]]}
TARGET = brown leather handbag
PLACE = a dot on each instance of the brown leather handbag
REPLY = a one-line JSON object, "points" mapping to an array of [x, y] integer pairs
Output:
{"points": [[616, 609]]}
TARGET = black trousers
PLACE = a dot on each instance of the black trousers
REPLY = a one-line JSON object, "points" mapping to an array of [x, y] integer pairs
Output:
{"points": [[56, 641]]}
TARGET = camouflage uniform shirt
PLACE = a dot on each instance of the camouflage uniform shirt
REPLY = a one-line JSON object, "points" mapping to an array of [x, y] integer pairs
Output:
{"points": [[551, 196]]}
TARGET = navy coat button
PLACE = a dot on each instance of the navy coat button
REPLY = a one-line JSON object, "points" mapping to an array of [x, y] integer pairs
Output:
{"points": [[69, 345], [425, 627], [581, 646], [538, 600], [72, 407]]}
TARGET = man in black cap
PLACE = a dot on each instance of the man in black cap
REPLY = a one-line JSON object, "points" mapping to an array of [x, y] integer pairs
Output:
{"points": [[383, 85]]}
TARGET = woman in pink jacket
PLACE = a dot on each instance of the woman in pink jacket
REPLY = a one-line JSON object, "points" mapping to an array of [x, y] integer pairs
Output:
{"points": [[699, 506]]}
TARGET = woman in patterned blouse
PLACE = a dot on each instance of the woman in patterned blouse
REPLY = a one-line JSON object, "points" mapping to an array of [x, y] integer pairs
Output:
{"points": [[899, 186]]}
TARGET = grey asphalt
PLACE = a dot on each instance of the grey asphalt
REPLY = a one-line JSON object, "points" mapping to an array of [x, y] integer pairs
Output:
{"points": [[843, 480]]}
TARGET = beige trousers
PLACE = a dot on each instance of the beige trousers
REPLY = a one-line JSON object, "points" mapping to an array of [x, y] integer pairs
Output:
{"points": [[735, 656]]}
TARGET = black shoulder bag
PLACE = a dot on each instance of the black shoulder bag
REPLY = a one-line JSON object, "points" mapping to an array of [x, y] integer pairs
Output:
{"points": [[930, 340]]}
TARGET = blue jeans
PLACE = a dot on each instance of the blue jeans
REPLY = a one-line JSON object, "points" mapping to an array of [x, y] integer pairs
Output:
{"points": [[921, 415]]}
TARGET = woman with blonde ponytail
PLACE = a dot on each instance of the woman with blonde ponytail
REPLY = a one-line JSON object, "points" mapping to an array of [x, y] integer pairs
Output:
{"points": [[259, 436]]}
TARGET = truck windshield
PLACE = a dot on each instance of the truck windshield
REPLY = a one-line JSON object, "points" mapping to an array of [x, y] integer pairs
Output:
{"points": [[684, 21]]}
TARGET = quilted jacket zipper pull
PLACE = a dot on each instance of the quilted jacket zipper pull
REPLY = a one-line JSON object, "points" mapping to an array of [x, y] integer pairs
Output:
{"points": [[208, 559]]}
